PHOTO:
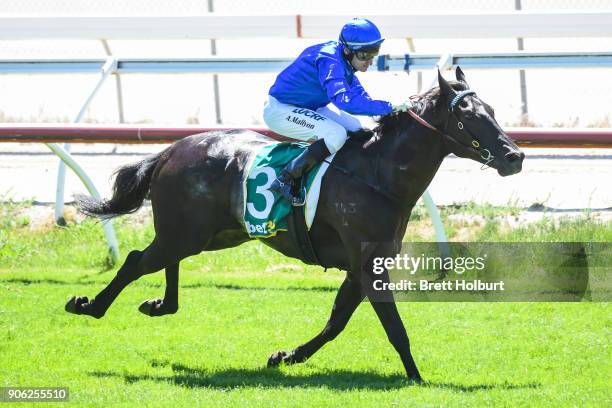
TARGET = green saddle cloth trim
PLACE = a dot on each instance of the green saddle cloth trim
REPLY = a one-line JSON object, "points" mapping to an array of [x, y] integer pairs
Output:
{"points": [[265, 211]]}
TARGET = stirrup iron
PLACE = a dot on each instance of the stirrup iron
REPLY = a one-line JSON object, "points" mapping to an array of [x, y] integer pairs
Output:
{"points": [[300, 199]]}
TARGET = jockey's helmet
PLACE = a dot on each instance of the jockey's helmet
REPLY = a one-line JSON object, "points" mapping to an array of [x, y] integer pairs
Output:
{"points": [[360, 34]]}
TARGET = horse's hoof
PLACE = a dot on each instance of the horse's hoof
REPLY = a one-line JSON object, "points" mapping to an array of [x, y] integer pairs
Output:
{"points": [[150, 307], [80, 305], [416, 381], [157, 307], [75, 303], [276, 358]]}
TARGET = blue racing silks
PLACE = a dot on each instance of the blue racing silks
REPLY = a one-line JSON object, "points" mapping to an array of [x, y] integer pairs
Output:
{"points": [[322, 75]]}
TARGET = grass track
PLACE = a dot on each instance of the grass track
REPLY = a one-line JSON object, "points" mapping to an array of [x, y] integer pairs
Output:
{"points": [[238, 306], [214, 350]]}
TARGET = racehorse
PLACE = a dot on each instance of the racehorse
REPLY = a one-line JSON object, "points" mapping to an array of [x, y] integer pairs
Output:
{"points": [[196, 192]]}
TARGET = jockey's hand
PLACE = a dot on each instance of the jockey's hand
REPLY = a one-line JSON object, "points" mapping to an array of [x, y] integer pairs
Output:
{"points": [[404, 106]]}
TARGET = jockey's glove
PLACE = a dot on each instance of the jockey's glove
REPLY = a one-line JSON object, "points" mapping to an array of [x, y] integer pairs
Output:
{"points": [[404, 106]]}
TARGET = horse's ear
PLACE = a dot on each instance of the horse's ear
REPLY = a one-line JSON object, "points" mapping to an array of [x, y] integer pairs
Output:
{"points": [[460, 76], [445, 88]]}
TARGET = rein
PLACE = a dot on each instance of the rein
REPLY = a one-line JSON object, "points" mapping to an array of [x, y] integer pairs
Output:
{"points": [[485, 154]]}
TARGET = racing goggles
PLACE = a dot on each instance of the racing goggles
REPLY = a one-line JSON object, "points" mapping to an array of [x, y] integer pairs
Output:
{"points": [[366, 54]]}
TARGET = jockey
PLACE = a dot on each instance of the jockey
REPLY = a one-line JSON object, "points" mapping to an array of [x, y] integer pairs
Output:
{"points": [[322, 74]]}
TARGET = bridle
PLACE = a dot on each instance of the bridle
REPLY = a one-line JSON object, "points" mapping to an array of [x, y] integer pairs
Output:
{"points": [[485, 154]]}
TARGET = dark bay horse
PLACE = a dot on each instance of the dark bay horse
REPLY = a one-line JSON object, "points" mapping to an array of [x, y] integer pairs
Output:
{"points": [[195, 188]]}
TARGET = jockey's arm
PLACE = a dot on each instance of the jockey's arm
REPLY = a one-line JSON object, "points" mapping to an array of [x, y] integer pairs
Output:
{"points": [[351, 98]]}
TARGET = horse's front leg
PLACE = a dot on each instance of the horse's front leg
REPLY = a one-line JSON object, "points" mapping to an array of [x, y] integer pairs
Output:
{"points": [[396, 333], [348, 298], [169, 304], [386, 310]]}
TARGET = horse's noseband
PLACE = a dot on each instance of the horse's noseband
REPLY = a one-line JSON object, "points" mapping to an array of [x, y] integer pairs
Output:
{"points": [[485, 154]]}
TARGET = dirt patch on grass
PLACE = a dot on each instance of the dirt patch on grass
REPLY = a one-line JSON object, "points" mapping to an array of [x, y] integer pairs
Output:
{"points": [[40, 218]]}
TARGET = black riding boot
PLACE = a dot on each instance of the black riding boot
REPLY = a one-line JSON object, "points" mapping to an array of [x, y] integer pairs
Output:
{"points": [[314, 154]]}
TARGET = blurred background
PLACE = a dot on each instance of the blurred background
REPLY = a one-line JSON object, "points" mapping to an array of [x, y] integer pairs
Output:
{"points": [[189, 98], [553, 97]]}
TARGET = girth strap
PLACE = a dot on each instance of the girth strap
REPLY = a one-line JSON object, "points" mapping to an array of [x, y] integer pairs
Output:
{"points": [[301, 237]]}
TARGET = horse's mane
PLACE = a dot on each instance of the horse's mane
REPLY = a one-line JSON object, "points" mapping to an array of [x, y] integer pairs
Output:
{"points": [[386, 124]]}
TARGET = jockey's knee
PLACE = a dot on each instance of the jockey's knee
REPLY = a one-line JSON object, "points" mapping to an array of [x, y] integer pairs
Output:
{"points": [[351, 122], [334, 141]]}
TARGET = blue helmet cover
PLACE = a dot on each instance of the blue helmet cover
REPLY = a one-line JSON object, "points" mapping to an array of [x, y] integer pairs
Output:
{"points": [[360, 33]]}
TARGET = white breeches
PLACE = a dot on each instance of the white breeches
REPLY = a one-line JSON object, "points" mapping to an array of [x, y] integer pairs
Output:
{"points": [[305, 124]]}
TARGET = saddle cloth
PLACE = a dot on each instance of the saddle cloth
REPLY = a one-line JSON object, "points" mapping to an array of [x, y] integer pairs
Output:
{"points": [[265, 211]]}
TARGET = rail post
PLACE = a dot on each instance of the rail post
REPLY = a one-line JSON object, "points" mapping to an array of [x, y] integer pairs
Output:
{"points": [[444, 62], [66, 159]]}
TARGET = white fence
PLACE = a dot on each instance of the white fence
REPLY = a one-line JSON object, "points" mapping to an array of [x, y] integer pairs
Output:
{"points": [[407, 62], [414, 25]]}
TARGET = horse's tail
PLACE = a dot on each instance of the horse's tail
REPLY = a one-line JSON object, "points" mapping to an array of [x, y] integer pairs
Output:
{"points": [[131, 187]]}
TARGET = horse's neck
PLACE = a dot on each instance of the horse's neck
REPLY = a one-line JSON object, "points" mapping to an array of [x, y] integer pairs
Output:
{"points": [[412, 157]]}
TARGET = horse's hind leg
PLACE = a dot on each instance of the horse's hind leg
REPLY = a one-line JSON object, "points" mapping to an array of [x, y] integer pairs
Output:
{"points": [[137, 264], [169, 304]]}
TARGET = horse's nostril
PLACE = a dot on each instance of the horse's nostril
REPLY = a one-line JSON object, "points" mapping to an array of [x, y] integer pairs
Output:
{"points": [[513, 156]]}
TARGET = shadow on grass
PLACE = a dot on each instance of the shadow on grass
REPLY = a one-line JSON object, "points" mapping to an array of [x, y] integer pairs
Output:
{"points": [[26, 282], [266, 378], [36, 281], [342, 380], [481, 387], [241, 287], [210, 285]]}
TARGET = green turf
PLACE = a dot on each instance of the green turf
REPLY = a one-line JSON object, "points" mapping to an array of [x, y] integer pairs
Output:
{"points": [[238, 306]]}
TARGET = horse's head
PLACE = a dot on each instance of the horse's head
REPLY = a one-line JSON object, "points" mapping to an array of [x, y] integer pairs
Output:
{"points": [[471, 131]]}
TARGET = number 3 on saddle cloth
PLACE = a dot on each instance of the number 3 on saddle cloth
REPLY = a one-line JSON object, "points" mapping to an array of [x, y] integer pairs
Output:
{"points": [[265, 211]]}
